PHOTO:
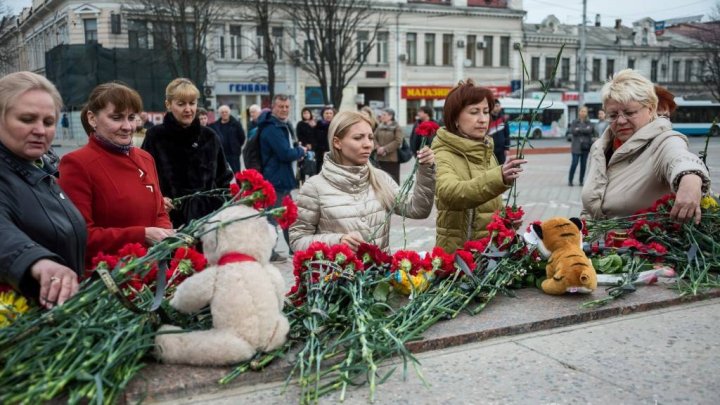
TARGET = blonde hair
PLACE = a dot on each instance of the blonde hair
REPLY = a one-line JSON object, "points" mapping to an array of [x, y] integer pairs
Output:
{"points": [[628, 85], [371, 115], [339, 128], [15, 84], [181, 89]]}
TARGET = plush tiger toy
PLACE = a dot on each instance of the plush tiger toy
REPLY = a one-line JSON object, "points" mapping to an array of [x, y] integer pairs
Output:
{"points": [[568, 269]]}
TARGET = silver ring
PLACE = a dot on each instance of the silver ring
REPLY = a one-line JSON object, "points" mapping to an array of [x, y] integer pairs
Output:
{"points": [[54, 279]]}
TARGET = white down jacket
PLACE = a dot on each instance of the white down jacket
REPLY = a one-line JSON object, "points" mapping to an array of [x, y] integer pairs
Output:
{"points": [[340, 200]]}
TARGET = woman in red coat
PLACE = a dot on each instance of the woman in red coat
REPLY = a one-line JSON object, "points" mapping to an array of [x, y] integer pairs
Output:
{"points": [[113, 184]]}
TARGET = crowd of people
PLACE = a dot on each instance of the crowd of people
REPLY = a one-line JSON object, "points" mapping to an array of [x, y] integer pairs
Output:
{"points": [[138, 182]]}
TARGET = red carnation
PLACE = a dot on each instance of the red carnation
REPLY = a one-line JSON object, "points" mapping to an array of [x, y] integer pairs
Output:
{"points": [[441, 261], [407, 260], [658, 248], [427, 128], [633, 244], [373, 255], [289, 215], [133, 250], [234, 189], [249, 180], [340, 254], [467, 258], [477, 245]]}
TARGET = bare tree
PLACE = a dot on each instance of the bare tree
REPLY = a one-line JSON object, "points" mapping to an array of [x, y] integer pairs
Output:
{"points": [[8, 40], [180, 29], [709, 35], [338, 36], [263, 13]]}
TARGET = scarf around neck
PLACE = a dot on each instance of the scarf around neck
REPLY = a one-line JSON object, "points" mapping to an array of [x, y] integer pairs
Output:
{"points": [[112, 147]]}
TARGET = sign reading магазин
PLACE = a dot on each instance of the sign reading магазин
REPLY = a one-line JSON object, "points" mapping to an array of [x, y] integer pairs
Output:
{"points": [[441, 92]]}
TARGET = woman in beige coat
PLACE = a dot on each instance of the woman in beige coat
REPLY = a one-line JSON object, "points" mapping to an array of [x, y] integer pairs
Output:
{"points": [[388, 139], [349, 200], [640, 158]]}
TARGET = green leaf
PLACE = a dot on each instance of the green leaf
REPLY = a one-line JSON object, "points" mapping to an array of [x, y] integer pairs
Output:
{"points": [[381, 292]]}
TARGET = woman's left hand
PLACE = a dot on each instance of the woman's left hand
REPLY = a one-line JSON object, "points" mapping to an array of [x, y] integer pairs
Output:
{"points": [[381, 151], [57, 282], [687, 199], [426, 156]]}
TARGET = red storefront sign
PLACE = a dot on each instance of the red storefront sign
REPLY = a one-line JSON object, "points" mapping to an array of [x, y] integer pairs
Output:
{"points": [[441, 92], [570, 96]]}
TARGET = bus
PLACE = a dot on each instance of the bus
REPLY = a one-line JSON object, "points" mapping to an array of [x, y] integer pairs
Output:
{"points": [[551, 120], [695, 117]]}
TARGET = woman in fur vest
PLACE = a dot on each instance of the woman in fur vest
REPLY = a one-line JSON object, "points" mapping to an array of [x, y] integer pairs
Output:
{"points": [[388, 139], [349, 200], [188, 156]]}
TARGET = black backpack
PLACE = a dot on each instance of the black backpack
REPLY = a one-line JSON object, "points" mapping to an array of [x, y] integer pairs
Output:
{"points": [[251, 153]]}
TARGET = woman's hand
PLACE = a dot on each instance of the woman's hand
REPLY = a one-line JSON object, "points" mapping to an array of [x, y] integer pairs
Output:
{"points": [[154, 235], [687, 199], [57, 282], [381, 151], [426, 156], [353, 240], [167, 204], [511, 169]]}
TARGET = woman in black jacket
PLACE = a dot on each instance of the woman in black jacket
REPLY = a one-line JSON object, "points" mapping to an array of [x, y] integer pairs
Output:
{"points": [[42, 248], [307, 135], [583, 134], [188, 156]]}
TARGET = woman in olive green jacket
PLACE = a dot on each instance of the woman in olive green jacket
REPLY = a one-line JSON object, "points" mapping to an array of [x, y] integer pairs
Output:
{"points": [[469, 182]]}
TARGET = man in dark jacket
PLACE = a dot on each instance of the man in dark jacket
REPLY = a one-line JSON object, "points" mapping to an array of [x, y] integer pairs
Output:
{"points": [[425, 113], [278, 152], [231, 134], [500, 132]]}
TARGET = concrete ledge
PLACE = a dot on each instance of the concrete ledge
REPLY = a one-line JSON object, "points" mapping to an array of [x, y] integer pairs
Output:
{"points": [[530, 311]]}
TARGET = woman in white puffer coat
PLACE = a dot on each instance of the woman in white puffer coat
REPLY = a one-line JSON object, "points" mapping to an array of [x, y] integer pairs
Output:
{"points": [[349, 201]]}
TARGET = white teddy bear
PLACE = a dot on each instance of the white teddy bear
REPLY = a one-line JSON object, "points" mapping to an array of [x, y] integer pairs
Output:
{"points": [[245, 293]]}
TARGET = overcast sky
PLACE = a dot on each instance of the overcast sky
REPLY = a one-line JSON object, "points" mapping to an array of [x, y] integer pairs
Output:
{"points": [[570, 11]]}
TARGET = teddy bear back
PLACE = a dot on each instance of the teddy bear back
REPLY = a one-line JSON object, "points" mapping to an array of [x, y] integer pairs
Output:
{"points": [[559, 232], [233, 231]]}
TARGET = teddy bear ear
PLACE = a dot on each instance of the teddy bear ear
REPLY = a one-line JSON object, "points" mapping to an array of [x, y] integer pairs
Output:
{"points": [[577, 221]]}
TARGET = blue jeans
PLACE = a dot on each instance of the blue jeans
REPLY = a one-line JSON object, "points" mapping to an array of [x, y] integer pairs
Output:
{"points": [[582, 158]]}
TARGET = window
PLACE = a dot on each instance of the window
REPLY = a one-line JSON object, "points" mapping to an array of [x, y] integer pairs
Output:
{"points": [[235, 42], [470, 49], [631, 63], [138, 34], [535, 68], [597, 63], [411, 48], [382, 47], [162, 35], [701, 70], [221, 45], [309, 50], [676, 71], [505, 51], [259, 42], [277, 34], [447, 49], [488, 52], [90, 30], [653, 70], [549, 66], [362, 45], [565, 69], [610, 68], [430, 49], [689, 70], [189, 37]]}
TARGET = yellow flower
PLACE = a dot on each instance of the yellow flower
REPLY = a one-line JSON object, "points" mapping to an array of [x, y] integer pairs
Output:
{"points": [[12, 304], [709, 203]]}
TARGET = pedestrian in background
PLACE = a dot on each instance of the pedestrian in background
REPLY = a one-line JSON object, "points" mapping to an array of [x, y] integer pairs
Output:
{"points": [[43, 234], [231, 135], [370, 113], [147, 123], [388, 139], [138, 137], [203, 116], [65, 124], [640, 159], [307, 136], [499, 131], [582, 133], [666, 102], [189, 157], [470, 182], [120, 198], [349, 200], [254, 112], [278, 153], [602, 123], [425, 113], [327, 114]]}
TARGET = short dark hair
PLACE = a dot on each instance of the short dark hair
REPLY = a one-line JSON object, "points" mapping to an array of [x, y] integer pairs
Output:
{"points": [[201, 111], [461, 96], [427, 110], [120, 95], [280, 97]]}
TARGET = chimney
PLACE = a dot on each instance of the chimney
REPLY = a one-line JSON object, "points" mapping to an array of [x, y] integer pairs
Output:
{"points": [[618, 23], [597, 20]]}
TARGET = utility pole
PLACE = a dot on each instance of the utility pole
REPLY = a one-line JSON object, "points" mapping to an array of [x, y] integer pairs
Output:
{"points": [[583, 61]]}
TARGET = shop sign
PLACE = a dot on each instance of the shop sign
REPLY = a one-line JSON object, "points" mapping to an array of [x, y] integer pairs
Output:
{"points": [[440, 92], [570, 96], [241, 88]]}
